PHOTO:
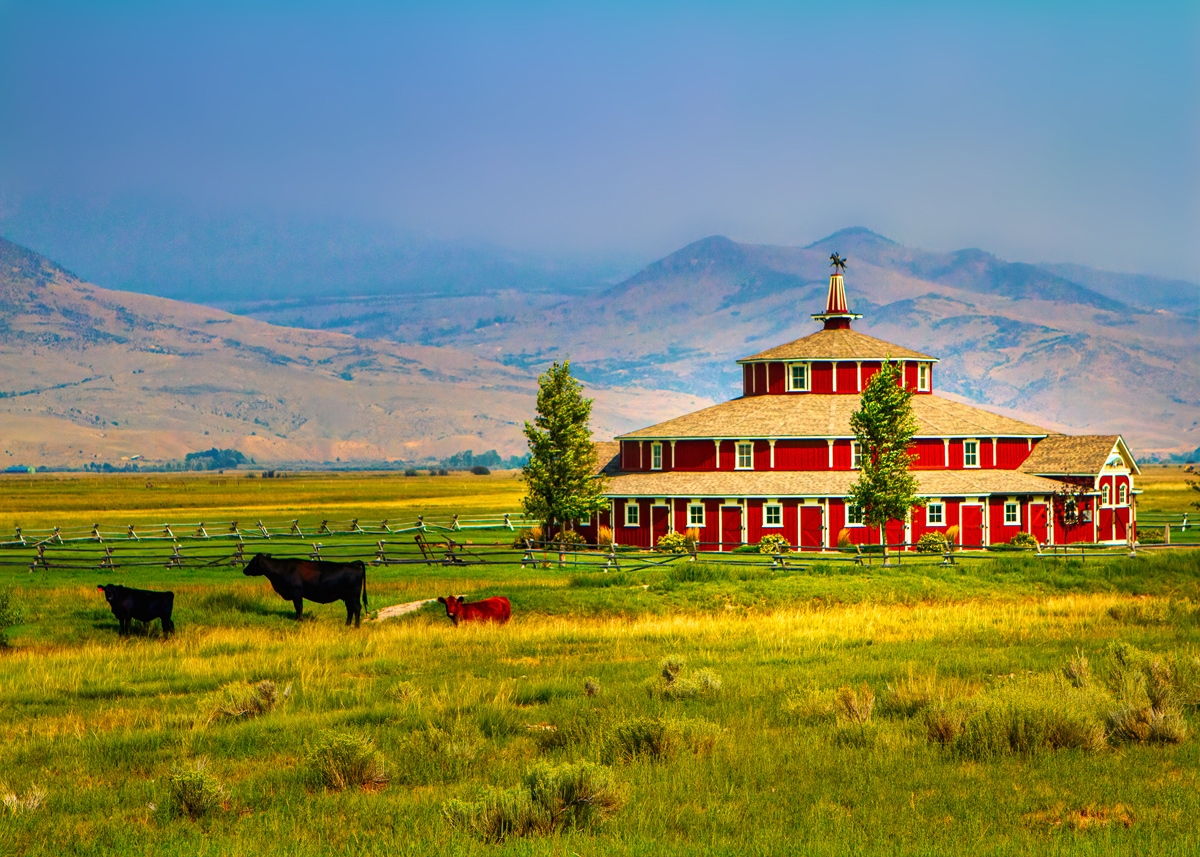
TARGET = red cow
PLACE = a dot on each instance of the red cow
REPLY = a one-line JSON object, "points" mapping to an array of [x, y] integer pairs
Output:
{"points": [[488, 610]]}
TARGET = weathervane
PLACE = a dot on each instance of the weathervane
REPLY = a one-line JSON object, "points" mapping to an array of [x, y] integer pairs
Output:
{"points": [[837, 263]]}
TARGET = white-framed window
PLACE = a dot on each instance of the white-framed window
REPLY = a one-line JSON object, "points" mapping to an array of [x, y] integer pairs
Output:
{"points": [[854, 515], [696, 515], [631, 514], [798, 377], [1107, 495], [923, 376], [1012, 514], [935, 514], [970, 453], [772, 515], [745, 455], [855, 455], [656, 456], [1123, 494]]}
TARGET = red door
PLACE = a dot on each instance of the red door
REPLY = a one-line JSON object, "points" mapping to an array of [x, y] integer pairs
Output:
{"points": [[971, 530], [894, 532], [811, 533], [1039, 522], [660, 523], [1121, 524], [731, 527]]}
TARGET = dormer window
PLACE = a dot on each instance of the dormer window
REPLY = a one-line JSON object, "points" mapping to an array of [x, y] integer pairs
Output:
{"points": [[745, 455], [970, 453], [923, 377], [798, 380], [656, 456]]}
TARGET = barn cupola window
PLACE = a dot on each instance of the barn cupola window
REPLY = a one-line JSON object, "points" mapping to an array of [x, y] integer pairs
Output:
{"points": [[798, 378], [745, 455], [855, 455], [923, 377], [970, 453], [656, 456]]}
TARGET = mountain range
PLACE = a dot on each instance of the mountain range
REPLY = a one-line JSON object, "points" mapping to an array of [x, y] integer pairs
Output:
{"points": [[361, 374]]}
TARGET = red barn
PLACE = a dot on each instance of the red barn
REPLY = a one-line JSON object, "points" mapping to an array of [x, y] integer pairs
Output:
{"points": [[781, 459]]}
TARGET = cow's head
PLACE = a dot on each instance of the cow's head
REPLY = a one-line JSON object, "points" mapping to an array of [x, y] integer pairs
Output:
{"points": [[453, 607], [108, 589], [257, 566]]}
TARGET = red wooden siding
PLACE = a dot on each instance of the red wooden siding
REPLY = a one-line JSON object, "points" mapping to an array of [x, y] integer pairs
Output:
{"points": [[776, 380], [728, 454], [801, 455], [754, 522], [869, 368], [791, 521], [928, 453], [842, 455], [847, 378], [910, 375], [711, 533], [760, 378], [695, 455], [762, 455], [822, 378], [631, 455], [1011, 452]]}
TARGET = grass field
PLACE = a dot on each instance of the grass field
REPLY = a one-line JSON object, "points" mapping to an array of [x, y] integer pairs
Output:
{"points": [[1009, 706]]}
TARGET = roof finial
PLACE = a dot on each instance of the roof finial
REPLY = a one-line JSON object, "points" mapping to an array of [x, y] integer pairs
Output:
{"points": [[837, 263], [837, 314]]}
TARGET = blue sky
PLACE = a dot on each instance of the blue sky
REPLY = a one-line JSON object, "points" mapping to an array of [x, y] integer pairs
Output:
{"points": [[1038, 131]]}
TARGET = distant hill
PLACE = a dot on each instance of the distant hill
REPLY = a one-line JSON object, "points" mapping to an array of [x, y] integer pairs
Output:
{"points": [[88, 374], [1071, 349]]}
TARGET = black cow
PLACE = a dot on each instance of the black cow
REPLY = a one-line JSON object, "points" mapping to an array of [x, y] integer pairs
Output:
{"points": [[142, 604], [317, 580]]}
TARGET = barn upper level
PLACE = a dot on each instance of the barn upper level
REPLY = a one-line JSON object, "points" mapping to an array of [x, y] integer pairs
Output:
{"points": [[835, 359]]}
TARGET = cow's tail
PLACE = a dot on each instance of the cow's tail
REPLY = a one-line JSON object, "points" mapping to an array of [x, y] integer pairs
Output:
{"points": [[364, 586]]}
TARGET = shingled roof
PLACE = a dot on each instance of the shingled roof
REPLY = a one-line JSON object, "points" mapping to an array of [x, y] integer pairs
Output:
{"points": [[838, 344], [1081, 455], [818, 483], [820, 415]]}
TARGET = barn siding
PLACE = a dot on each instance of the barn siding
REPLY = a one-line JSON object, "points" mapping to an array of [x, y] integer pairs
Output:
{"points": [[695, 455], [801, 455], [776, 378], [822, 378]]}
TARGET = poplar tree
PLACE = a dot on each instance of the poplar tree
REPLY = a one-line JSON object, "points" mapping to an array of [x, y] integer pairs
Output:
{"points": [[560, 477], [884, 426]]}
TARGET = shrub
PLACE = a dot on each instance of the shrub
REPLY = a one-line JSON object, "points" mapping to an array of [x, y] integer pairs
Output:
{"points": [[591, 687], [193, 791], [1024, 540], [697, 572], [338, 760], [480, 470], [1143, 724], [844, 540], [243, 701], [604, 537], [952, 537], [551, 798], [907, 697], [933, 541], [672, 683], [773, 543], [569, 538], [9, 616], [692, 535], [410, 472], [855, 707], [1027, 717], [673, 543], [659, 739], [1078, 671], [533, 534], [1151, 535]]}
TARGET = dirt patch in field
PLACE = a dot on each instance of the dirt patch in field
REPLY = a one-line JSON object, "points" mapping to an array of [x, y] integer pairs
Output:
{"points": [[400, 610]]}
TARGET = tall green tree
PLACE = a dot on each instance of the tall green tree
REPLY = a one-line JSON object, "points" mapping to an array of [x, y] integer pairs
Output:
{"points": [[560, 478], [884, 425]]}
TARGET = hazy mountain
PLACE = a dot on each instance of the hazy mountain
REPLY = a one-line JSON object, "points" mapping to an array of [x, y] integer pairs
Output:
{"points": [[1022, 338], [92, 374]]}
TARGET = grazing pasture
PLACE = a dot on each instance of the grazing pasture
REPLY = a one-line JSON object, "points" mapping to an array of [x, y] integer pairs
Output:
{"points": [[1009, 706]]}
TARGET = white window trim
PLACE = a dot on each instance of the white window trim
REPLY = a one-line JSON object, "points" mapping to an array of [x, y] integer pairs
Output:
{"points": [[941, 507], [856, 455], [850, 523], [1123, 494], [737, 455], [656, 455], [692, 523], [976, 465], [778, 506], [791, 387], [632, 504], [1016, 507], [1106, 494], [923, 377]]}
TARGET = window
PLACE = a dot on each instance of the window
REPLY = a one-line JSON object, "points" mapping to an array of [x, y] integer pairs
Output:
{"points": [[922, 376], [797, 377], [1123, 494], [970, 453], [855, 455], [745, 455], [854, 515], [631, 514], [772, 515], [696, 515], [656, 456], [1012, 514], [1107, 495], [935, 514]]}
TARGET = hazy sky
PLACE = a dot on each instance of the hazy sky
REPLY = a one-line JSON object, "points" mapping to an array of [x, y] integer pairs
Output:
{"points": [[1041, 131]]}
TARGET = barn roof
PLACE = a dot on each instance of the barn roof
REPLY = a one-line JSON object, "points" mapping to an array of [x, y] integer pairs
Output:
{"points": [[1078, 455], [837, 344], [821, 415], [819, 483]]}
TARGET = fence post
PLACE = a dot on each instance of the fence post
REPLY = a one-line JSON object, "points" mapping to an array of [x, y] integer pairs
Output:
{"points": [[167, 532], [40, 559], [316, 551], [380, 558], [131, 534], [239, 555], [1166, 533], [107, 560], [201, 532], [20, 537], [528, 553], [233, 530], [612, 558], [58, 535], [506, 521], [96, 533], [354, 527], [176, 560], [421, 522], [323, 529], [296, 528], [455, 523]]}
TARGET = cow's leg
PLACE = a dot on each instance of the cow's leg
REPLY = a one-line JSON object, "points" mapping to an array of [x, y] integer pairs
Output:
{"points": [[299, 602], [352, 612], [124, 629], [168, 626]]}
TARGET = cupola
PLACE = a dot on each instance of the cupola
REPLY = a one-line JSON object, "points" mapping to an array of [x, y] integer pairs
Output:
{"points": [[837, 315]]}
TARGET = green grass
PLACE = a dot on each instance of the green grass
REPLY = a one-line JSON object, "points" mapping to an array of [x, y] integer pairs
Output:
{"points": [[704, 709]]}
